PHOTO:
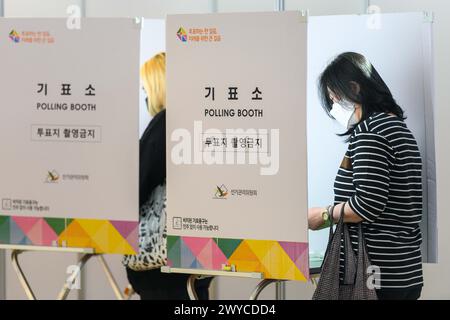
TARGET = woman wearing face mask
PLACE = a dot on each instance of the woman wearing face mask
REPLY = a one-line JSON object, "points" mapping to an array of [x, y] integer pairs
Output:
{"points": [[379, 181]]}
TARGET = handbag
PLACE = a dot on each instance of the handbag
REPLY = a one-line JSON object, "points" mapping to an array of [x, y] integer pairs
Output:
{"points": [[355, 284], [152, 252]]}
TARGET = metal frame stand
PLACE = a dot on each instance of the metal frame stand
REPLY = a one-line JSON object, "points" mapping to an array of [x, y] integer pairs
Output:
{"points": [[87, 254], [200, 274], [196, 274], [261, 286], [191, 287]]}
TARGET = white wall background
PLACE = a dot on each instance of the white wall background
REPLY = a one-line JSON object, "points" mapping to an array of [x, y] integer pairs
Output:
{"points": [[148, 9], [41, 8], [96, 286], [437, 285], [153, 41]]}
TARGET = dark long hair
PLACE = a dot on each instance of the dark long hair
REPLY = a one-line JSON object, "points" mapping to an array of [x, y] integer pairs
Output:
{"points": [[374, 95]]}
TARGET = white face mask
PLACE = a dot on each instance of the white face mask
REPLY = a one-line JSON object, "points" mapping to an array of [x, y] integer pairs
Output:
{"points": [[344, 113]]}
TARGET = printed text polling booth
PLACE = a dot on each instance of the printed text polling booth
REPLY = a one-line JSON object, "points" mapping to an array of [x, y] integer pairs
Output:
{"points": [[69, 133], [236, 132]]}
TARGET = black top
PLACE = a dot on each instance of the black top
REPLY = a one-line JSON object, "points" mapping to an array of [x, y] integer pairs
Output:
{"points": [[152, 156], [153, 284], [381, 178]]}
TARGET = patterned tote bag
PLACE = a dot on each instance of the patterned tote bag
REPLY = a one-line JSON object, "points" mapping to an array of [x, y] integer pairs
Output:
{"points": [[355, 285]]}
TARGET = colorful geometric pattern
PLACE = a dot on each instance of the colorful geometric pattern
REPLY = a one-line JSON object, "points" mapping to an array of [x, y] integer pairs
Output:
{"points": [[14, 36], [104, 236], [275, 259], [182, 35]]}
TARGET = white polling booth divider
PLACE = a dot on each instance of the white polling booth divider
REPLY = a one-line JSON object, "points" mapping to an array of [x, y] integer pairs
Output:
{"points": [[223, 226], [2, 255], [280, 286], [70, 178]]}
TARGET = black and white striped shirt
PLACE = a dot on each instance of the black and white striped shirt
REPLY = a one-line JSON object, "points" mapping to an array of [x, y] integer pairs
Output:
{"points": [[381, 178]]}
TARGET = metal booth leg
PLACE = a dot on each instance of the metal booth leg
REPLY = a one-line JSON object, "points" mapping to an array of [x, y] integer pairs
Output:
{"points": [[112, 281], [71, 280], [22, 279], [191, 287], [260, 287]]}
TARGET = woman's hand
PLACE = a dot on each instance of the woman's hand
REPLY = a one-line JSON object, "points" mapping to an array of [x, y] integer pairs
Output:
{"points": [[315, 219]]}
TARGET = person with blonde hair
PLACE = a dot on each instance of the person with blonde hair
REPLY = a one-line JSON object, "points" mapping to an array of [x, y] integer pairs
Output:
{"points": [[153, 75], [143, 269]]}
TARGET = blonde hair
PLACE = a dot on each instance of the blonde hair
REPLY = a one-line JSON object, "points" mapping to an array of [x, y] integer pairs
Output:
{"points": [[153, 76]]}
